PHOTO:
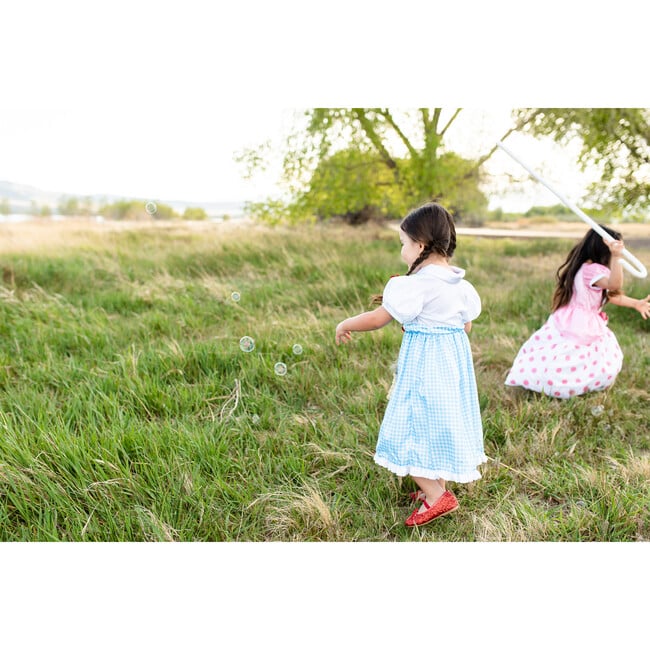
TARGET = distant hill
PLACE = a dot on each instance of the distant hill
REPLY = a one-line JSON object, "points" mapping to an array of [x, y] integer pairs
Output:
{"points": [[21, 194], [21, 199]]}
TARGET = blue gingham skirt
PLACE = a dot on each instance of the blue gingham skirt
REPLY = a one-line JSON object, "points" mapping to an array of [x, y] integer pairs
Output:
{"points": [[432, 425]]}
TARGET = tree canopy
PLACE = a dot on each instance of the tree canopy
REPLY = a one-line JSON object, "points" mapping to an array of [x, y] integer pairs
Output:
{"points": [[360, 162], [614, 140]]}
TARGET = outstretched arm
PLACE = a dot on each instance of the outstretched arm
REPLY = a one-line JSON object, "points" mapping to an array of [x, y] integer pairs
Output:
{"points": [[369, 320], [642, 305]]}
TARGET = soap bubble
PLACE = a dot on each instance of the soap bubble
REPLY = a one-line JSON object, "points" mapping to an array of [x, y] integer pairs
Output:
{"points": [[597, 410], [235, 296], [246, 344], [255, 419], [297, 348], [280, 369], [151, 207]]}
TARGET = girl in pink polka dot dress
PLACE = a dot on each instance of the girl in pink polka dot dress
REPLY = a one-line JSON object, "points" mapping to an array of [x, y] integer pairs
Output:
{"points": [[575, 352]]}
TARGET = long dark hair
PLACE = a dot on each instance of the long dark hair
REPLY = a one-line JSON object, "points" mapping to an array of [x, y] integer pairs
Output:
{"points": [[591, 248], [433, 226]]}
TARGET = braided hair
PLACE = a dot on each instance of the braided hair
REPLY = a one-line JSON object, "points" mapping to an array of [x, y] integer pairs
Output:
{"points": [[590, 248], [432, 226]]}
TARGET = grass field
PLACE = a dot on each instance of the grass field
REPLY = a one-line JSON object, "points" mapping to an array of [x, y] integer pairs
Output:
{"points": [[128, 411]]}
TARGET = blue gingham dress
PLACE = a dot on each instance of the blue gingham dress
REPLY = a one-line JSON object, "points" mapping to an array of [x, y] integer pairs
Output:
{"points": [[432, 425]]}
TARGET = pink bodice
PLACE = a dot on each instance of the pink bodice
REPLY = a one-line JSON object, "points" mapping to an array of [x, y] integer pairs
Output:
{"points": [[583, 319]]}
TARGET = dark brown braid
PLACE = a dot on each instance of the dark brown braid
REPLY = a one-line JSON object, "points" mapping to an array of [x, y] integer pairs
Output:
{"points": [[426, 251], [433, 226]]}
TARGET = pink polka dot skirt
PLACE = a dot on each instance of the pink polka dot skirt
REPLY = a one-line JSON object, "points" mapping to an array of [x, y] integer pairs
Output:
{"points": [[560, 367]]}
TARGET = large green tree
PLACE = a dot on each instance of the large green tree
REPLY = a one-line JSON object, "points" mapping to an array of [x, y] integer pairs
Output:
{"points": [[355, 161]]}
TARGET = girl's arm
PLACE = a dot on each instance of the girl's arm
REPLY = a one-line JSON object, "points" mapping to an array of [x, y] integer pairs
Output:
{"points": [[615, 280], [642, 305], [468, 326], [369, 320]]}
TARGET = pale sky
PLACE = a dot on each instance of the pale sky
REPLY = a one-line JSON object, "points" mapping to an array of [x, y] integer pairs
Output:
{"points": [[140, 152], [188, 155], [152, 99]]}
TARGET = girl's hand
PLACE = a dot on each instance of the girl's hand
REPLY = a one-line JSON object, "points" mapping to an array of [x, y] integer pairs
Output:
{"points": [[616, 247], [342, 335], [643, 306]]}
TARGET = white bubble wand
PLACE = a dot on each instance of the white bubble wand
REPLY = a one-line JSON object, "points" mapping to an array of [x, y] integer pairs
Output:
{"points": [[640, 271]]}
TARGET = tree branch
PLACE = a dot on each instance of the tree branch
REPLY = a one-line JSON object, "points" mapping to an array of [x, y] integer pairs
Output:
{"points": [[453, 117], [516, 127], [435, 119], [374, 137], [389, 118]]}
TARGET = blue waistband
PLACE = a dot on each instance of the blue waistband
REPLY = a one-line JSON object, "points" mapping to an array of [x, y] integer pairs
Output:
{"points": [[432, 329]]}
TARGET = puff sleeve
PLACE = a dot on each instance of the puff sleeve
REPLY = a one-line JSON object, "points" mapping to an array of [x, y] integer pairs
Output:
{"points": [[402, 299], [591, 273], [472, 307]]}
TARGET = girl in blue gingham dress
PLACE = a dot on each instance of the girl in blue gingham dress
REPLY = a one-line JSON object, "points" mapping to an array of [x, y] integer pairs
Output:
{"points": [[432, 427]]}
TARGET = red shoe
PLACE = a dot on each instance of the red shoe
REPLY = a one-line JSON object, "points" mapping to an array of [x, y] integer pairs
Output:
{"points": [[444, 505]]}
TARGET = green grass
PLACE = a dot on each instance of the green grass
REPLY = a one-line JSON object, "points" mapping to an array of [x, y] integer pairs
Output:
{"points": [[128, 411]]}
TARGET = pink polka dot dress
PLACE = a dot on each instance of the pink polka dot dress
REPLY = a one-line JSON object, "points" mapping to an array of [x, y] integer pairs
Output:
{"points": [[574, 352]]}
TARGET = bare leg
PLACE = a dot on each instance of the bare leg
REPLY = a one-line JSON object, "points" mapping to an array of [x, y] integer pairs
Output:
{"points": [[433, 489], [420, 492]]}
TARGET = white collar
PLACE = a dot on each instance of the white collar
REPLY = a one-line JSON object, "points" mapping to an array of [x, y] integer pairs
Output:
{"points": [[450, 273]]}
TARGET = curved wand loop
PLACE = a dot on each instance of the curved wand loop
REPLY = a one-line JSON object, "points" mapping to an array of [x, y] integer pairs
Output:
{"points": [[640, 271]]}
